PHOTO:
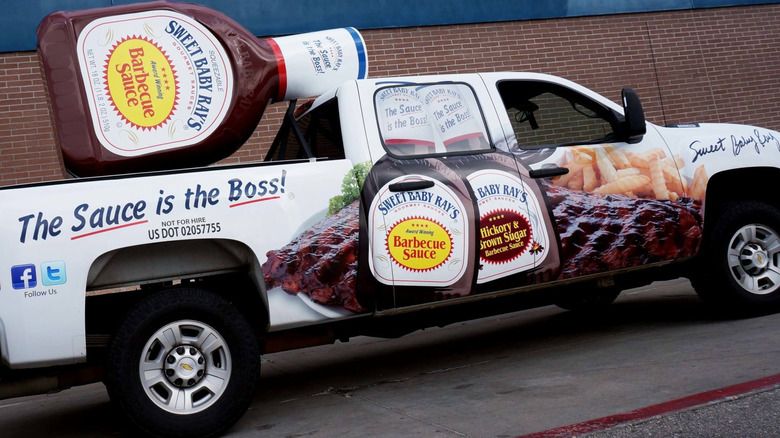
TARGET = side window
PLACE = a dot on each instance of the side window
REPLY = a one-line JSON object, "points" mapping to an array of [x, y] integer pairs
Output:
{"points": [[426, 119], [316, 134], [544, 114]]}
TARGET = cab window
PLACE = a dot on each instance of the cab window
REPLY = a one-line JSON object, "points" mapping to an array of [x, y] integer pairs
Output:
{"points": [[427, 119], [316, 134], [545, 115]]}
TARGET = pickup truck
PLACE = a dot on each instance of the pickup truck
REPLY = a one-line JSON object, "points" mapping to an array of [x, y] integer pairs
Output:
{"points": [[383, 206]]}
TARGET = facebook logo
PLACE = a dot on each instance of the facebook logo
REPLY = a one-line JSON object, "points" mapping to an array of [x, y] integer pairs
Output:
{"points": [[53, 273], [23, 276]]}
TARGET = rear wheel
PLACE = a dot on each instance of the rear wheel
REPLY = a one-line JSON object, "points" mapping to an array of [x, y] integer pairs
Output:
{"points": [[738, 266], [184, 362]]}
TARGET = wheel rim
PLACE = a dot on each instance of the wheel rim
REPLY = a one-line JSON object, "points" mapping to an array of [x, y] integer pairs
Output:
{"points": [[185, 367], [754, 259]]}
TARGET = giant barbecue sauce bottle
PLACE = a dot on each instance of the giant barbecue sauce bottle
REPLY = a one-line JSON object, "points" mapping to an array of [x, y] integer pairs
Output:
{"points": [[171, 85]]}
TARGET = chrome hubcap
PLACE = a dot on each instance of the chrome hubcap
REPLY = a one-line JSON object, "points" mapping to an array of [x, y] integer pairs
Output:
{"points": [[754, 259], [185, 367]]}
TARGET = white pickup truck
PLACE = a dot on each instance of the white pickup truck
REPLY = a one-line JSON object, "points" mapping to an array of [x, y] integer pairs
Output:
{"points": [[387, 205]]}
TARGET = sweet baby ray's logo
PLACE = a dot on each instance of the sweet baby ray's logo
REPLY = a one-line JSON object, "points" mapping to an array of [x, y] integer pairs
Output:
{"points": [[417, 237], [155, 80]]}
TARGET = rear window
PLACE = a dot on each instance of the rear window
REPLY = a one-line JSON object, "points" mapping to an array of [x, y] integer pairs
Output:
{"points": [[426, 119], [316, 134]]}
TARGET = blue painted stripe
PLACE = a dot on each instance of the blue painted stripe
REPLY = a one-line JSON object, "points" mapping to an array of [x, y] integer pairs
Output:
{"points": [[269, 18], [361, 52]]}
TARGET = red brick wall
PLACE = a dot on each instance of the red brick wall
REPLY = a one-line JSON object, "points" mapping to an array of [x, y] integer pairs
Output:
{"points": [[717, 65]]}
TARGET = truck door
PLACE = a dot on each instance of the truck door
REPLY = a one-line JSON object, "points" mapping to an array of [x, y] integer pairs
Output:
{"points": [[620, 205], [448, 214]]}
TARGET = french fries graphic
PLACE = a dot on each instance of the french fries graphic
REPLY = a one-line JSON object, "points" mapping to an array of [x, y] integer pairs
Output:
{"points": [[623, 185], [650, 174]]}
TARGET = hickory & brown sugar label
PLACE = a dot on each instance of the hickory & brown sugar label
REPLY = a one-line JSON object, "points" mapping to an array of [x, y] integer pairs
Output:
{"points": [[511, 236]]}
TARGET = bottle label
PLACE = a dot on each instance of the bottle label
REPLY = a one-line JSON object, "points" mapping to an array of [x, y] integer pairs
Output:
{"points": [[404, 118], [419, 237], [512, 236], [155, 80], [451, 114]]}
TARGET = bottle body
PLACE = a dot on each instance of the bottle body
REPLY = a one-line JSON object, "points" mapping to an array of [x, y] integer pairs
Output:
{"points": [[165, 85]]}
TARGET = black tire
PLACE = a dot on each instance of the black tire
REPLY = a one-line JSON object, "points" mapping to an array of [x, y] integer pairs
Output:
{"points": [[210, 365], [738, 266], [589, 300]]}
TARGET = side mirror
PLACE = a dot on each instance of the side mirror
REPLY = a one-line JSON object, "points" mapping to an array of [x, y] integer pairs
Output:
{"points": [[634, 125]]}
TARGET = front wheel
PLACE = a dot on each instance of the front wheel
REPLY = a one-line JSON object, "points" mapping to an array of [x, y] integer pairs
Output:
{"points": [[738, 266], [184, 362]]}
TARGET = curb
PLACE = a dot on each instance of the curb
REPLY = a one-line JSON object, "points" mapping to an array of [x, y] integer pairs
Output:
{"points": [[680, 404]]}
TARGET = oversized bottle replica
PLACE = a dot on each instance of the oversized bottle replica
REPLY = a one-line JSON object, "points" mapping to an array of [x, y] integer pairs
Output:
{"points": [[171, 85]]}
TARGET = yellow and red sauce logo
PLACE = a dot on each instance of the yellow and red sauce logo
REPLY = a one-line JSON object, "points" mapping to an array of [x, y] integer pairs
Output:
{"points": [[504, 236], [141, 83], [419, 244]]}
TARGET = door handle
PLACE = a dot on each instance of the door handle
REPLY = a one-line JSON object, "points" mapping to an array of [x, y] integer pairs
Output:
{"points": [[410, 185], [548, 172]]}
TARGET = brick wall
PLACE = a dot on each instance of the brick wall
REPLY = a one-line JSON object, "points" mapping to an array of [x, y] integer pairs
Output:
{"points": [[716, 65]]}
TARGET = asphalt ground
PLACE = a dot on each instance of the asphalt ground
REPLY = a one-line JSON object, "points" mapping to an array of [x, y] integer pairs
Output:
{"points": [[654, 364]]}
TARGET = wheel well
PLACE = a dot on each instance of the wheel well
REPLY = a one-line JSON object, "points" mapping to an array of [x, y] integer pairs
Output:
{"points": [[167, 261], [747, 184], [120, 278]]}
